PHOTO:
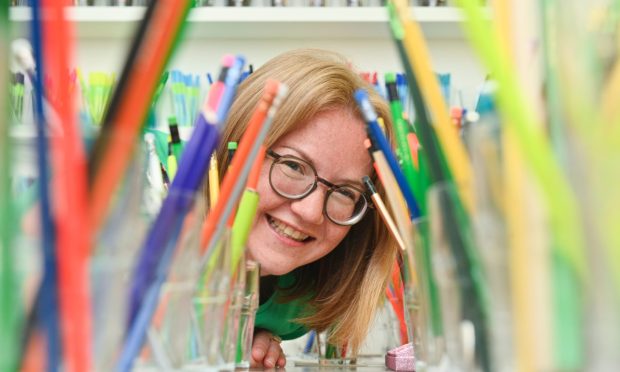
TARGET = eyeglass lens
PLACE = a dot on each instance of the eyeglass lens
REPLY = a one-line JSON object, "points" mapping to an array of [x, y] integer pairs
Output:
{"points": [[293, 178]]}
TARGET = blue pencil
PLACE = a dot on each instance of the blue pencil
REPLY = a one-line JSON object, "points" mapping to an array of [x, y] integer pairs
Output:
{"points": [[378, 139], [156, 256], [48, 309], [310, 341]]}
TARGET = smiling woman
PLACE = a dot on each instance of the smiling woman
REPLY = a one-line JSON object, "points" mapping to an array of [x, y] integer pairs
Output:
{"points": [[325, 255]]}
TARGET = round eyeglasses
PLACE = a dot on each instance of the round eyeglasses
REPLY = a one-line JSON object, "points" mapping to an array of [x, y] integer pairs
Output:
{"points": [[295, 178]]}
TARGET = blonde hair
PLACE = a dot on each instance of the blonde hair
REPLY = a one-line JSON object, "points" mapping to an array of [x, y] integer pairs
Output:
{"points": [[342, 300]]}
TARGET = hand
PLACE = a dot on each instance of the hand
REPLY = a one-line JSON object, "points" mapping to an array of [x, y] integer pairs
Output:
{"points": [[266, 351]]}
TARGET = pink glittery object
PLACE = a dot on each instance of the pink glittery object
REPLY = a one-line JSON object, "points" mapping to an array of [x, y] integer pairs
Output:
{"points": [[401, 358]]}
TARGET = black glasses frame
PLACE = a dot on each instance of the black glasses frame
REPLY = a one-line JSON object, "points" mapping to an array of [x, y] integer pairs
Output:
{"points": [[331, 187]]}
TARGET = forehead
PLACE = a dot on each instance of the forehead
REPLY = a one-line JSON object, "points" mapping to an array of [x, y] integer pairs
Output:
{"points": [[334, 142]]}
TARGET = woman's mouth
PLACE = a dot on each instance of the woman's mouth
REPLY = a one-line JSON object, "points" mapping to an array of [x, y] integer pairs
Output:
{"points": [[287, 231]]}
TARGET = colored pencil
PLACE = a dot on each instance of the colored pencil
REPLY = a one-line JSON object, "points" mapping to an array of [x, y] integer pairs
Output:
{"points": [[9, 285], [117, 140], [69, 186]]}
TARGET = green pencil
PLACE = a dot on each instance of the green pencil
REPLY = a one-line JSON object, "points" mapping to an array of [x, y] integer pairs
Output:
{"points": [[9, 301], [177, 145], [160, 87], [403, 149]]}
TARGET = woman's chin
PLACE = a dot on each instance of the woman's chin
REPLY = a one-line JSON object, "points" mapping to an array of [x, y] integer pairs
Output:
{"points": [[277, 271]]}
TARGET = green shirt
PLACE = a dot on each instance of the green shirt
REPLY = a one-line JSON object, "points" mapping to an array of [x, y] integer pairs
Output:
{"points": [[278, 317]]}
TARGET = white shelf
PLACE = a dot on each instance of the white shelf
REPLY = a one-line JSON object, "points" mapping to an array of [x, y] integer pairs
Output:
{"points": [[259, 22]]}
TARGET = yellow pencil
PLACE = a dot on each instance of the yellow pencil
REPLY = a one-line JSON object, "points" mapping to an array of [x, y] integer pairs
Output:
{"points": [[418, 54], [214, 181], [399, 209], [383, 211]]}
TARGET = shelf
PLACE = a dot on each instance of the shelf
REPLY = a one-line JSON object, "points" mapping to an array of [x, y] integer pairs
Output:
{"points": [[259, 22]]}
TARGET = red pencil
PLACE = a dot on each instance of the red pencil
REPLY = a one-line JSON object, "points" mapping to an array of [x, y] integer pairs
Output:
{"points": [[69, 187]]}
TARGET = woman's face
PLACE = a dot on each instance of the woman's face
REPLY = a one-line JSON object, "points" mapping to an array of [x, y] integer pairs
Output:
{"points": [[291, 233]]}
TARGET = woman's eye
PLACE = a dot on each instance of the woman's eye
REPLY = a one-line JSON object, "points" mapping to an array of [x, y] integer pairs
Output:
{"points": [[294, 166], [346, 193]]}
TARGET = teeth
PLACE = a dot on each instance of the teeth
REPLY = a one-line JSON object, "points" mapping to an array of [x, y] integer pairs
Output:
{"points": [[287, 230]]}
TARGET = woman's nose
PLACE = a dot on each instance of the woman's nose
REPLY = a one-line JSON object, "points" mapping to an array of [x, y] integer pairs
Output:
{"points": [[310, 208]]}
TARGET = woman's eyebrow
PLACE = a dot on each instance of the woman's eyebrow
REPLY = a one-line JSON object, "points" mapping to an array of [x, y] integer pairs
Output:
{"points": [[303, 155]]}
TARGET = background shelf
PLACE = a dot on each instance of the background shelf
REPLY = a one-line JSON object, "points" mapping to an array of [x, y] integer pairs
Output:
{"points": [[261, 22], [103, 35]]}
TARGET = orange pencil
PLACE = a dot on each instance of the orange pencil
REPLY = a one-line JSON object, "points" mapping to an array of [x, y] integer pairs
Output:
{"points": [[241, 155], [254, 175], [149, 63]]}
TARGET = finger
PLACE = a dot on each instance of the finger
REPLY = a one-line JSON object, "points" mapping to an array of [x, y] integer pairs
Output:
{"points": [[260, 345], [281, 361], [254, 363], [273, 354]]}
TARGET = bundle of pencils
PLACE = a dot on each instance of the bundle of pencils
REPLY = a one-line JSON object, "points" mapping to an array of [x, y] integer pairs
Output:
{"points": [[17, 93], [185, 94], [61, 308], [568, 266], [442, 164], [96, 93], [156, 256], [513, 206], [62, 304]]}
